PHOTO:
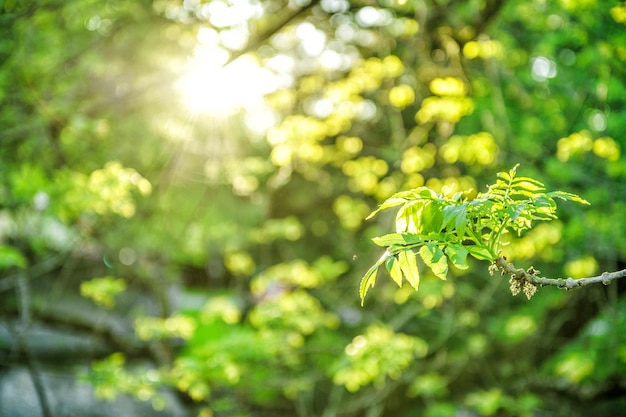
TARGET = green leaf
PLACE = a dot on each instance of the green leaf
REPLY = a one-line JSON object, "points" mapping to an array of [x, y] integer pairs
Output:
{"points": [[481, 253], [455, 217], [568, 197], [435, 259], [404, 197], [368, 281], [407, 216], [522, 195], [11, 257], [430, 218], [396, 239], [393, 267], [506, 176], [408, 265], [516, 210], [529, 184], [457, 255], [389, 203]]}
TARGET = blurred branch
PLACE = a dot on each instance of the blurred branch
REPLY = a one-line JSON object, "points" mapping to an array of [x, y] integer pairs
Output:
{"points": [[527, 280], [45, 266], [265, 35], [23, 300], [489, 12]]}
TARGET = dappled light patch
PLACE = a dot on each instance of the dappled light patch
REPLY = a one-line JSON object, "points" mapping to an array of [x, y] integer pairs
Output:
{"points": [[107, 190], [575, 144], [153, 328], [519, 327], [606, 147], [417, 159], [449, 103], [239, 263], [345, 208], [483, 49], [221, 307], [377, 354], [584, 266], [538, 242], [475, 149], [291, 310], [104, 290]]}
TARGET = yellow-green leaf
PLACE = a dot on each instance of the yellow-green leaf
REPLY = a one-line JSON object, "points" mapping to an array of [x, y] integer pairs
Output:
{"points": [[481, 253], [393, 267], [458, 256], [435, 259], [368, 281], [408, 265]]}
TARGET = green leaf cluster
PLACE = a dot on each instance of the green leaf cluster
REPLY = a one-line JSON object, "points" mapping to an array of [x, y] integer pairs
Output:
{"points": [[445, 229]]}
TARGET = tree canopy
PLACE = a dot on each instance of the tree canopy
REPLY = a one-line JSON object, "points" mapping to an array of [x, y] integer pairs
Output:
{"points": [[189, 183]]}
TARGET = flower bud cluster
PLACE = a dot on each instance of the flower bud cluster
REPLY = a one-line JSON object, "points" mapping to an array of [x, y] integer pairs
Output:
{"points": [[519, 283]]}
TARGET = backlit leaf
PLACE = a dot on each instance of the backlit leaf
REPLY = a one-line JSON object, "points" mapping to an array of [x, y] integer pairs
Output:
{"points": [[396, 239], [568, 197], [529, 184], [389, 203], [408, 265], [435, 259], [457, 255], [430, 218], [393, 267], [455, 216], [406, 219], [368, 281], [481, 253]]}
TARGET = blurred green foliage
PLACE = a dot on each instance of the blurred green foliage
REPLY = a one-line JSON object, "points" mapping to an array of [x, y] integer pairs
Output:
{"points": [[253, 211]]}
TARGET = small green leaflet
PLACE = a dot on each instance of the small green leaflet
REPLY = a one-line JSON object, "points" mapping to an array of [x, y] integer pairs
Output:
{"points": [[567, 196], [397, 239], [457, 255], [402, 197], [455, 217], [393, 267], [368, 281], [408, 265], [481, 253], [405, 219], [389, 203], [529, 184], [435, 259]]}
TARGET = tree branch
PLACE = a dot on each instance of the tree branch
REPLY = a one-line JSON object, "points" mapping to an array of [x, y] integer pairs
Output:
{"points": [[528, 280], [23, 300], [489, 12], [262, 37]]}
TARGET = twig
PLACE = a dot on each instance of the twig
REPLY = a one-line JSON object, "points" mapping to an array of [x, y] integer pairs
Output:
{"points": [[261, 38], [527, 280]]}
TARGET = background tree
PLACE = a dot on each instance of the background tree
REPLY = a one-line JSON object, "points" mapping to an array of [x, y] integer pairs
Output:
{"points": [[201, 173]]}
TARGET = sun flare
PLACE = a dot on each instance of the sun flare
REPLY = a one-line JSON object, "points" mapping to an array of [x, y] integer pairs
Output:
{"points": [[208, 87]]}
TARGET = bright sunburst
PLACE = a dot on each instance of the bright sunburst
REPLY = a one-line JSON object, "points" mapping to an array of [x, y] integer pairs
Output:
{"points": [[208, 87]]}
